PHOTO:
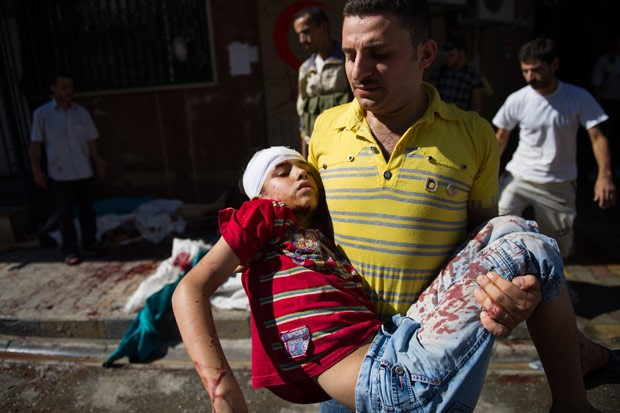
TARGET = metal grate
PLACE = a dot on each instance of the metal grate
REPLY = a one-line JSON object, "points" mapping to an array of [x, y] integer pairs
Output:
{"points": [[117, 44]]}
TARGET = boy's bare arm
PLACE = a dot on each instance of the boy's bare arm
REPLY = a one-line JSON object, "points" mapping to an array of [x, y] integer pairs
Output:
{"points": [[192, 310]]}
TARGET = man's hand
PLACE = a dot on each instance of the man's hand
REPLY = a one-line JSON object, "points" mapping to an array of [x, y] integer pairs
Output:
{"points": [[506, 304], [604, 192], [40, 179]]}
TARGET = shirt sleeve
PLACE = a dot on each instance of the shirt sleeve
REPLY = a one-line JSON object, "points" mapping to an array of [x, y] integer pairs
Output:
{"points": [[505, 117], [37, 133], [591, 113], [91, 130], [256, 223]]}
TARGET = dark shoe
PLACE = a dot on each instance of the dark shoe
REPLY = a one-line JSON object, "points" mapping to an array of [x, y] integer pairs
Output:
{"points": [[609, 374], [72, 259]]}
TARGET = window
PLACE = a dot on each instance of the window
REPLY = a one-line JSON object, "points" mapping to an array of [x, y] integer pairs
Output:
{"points": [[117, 44]]}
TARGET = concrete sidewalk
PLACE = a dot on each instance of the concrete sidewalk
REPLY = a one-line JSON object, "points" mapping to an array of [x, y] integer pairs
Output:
{"points": [[42, 296]]}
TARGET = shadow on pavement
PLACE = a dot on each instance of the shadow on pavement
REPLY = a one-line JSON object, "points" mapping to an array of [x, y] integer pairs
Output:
{"points": [[592, 300]]}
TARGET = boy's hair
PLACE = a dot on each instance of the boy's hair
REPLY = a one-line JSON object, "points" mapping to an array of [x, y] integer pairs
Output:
{"points": [[316, 15], [415, 15], [541, 48]]}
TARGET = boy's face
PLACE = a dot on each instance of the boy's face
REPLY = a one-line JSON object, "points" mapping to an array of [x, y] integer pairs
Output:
{"points": [[292, 183]]}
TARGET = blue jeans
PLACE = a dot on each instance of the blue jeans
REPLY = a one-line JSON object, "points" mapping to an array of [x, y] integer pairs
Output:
{"points": [[435, 358]]}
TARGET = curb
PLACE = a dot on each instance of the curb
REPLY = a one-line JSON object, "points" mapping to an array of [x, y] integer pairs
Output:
{"points": [[230, 324], [96, 351]]}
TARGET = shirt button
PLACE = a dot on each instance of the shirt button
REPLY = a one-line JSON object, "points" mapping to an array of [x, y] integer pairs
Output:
{"points": [[351, 158], [324, 166], [387, 174]]}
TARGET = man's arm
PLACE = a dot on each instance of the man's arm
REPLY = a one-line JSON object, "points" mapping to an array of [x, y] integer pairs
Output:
{"points": [[36, 150], [192, 310], [503, 136], [604, 188]]}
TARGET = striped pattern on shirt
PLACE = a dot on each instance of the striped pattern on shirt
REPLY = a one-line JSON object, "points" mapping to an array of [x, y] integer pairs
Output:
{"points": [[301, 287], [399, 220]]}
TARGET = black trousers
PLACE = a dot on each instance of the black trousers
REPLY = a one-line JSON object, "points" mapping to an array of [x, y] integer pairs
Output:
{"points": [[67, 196]]}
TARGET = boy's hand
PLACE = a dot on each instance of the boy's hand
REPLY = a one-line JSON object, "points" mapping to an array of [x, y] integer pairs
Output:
{"points": [[506, 304]]}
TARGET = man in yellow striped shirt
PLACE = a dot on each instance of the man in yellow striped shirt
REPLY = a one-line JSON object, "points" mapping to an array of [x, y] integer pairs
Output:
{"points": [[406, 176]]}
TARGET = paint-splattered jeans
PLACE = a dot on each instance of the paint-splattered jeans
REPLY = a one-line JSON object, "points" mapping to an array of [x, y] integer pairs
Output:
{"points": [[436, 357]]}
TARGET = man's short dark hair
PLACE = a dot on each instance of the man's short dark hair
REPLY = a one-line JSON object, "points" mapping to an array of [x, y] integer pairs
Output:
{"points": [[53, 76], [415, 15], [542, 48], [316, 15]]}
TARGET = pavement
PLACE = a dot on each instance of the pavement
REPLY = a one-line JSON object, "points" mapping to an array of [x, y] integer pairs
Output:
{"points": [[50, 309]]}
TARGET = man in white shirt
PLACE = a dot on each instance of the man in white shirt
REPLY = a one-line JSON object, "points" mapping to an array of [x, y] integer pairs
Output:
{"points": [[543, 170], [67, 134]]}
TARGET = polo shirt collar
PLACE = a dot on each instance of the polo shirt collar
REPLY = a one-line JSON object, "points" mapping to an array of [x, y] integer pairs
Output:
{"points": [[353, 118]]}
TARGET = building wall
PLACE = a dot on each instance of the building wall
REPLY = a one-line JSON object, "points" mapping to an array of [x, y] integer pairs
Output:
{"points": [[189, 142]]}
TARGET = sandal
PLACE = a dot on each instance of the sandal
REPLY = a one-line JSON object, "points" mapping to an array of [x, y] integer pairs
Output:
{"points": [[72, 259]]}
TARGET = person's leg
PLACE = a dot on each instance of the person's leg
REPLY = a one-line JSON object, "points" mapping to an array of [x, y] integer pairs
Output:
{"points": [[511, 201], [552, 325], [555, 335], [86, 214], [555, 208], [63, 195], [451, 332]]}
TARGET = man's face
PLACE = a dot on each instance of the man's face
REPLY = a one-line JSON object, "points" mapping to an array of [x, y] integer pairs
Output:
{"points": [[292, 183], [538, 73], [454, 57], [309, 34], [382, 65], [62, 89]]}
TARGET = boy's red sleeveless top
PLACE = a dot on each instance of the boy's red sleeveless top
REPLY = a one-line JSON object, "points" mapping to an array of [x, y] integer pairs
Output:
{"points": [[309, 309]]}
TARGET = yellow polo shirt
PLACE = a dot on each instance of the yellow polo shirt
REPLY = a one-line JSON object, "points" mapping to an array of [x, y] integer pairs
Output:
{"points": [[398, 221]]}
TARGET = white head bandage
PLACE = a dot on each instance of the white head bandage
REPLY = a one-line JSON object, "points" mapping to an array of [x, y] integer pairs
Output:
{"points": [[261, 164]]}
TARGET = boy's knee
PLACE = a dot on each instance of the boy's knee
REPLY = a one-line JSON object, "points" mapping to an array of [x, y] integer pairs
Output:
{"points": [[507, 224], [513, 223], [545, 261], [538, 244]]}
